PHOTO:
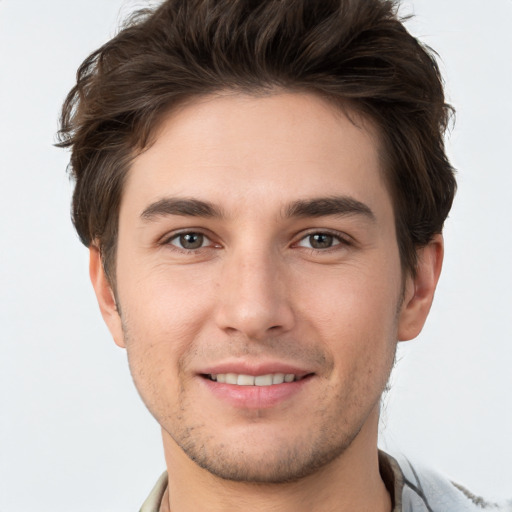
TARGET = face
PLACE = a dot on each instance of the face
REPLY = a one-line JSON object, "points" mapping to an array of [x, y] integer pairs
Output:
{"points": [[259, 283]]}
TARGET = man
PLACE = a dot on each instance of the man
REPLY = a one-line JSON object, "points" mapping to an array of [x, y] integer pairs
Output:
{"points": [[262, 187]]}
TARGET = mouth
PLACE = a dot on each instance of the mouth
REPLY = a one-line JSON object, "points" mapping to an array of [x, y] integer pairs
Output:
{"points": [[256, 385], [240, 379], [261, 391]]}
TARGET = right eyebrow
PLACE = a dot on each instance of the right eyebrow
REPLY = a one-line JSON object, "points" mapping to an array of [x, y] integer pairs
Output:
{"points": [[180, 206]]}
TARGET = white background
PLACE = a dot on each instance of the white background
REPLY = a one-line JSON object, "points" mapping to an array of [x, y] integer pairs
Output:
{"points": [[74, 436]]}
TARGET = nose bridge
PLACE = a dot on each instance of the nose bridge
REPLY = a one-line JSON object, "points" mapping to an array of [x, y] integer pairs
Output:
{"points": [[252, 296]]}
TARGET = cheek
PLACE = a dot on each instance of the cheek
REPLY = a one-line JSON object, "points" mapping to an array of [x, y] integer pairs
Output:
{"points": [[159, 340], [165, 302], [353, 297], [162, 317], [354, 314]]}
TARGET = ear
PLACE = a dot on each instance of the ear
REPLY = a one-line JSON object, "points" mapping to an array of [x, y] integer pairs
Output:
{"points": [[419, 290], [105, 296]]}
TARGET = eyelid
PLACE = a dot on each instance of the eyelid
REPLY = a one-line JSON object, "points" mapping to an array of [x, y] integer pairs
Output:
{"points": [[168, 238], [341, 238]]}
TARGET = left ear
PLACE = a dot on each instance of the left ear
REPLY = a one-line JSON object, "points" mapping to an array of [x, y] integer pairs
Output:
{"points": [[419, 290]]}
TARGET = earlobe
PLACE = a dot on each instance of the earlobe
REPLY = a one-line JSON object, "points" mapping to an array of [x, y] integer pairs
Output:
{"points": [[105, 296], [420, 289]]}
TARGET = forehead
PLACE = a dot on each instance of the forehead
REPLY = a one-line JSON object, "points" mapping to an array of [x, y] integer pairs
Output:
{"points": [[237, 149]]}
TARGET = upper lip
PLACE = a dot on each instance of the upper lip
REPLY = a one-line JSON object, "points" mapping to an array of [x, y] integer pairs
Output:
{"points": [[252, 368]]}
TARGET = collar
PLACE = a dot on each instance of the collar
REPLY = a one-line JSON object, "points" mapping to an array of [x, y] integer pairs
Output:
{"points": [[390, 471]]}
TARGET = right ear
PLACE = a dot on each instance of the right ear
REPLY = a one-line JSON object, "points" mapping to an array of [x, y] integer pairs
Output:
{"points": [[105, 296]]}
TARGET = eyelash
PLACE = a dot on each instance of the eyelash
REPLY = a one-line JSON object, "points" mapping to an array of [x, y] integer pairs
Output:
{"points": [[339, 239], [176, 236]]}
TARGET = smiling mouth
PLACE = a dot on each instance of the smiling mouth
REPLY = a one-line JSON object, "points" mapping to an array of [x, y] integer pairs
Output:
{"points": [[269, 379]]}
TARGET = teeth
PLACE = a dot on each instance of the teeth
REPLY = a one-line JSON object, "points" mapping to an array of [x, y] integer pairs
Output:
{"points": [[245, 380], [250, 380], [231, 378], [278, 378], [263, 380]]}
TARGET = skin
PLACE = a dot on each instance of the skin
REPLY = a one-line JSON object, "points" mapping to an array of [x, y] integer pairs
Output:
{"points": [[260, 289]]}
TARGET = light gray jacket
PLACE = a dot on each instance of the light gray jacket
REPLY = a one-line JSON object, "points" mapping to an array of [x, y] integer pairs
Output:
{"points": [[422, 490]]}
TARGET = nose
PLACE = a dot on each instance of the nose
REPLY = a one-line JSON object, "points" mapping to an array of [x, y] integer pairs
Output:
{"points": [[254, 296]]}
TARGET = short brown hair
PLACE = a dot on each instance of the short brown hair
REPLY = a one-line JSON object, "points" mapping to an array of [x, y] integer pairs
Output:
{"points": [[354, 51]]}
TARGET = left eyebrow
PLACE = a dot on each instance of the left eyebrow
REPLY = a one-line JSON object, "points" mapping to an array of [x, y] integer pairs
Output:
{"points": [[325, 206]]}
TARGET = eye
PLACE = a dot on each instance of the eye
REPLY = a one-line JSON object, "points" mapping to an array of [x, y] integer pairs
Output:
{"points": [[190, 241], [319, 241]]}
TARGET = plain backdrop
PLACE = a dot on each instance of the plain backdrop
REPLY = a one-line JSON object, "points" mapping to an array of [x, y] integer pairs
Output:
{"points": [[74, 435]]}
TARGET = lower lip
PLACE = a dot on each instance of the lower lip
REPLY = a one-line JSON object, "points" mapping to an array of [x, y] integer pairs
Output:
{"points": [[255, 397]]}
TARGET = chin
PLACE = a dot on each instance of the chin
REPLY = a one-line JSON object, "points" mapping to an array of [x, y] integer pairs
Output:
{"points": [[282, 462]]}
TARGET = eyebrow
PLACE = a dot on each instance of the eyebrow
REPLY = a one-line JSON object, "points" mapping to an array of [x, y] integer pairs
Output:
{"points": [[180, 206], [316, 207], [325, 206]]}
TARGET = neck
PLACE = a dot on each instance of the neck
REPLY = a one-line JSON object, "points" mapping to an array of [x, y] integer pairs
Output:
{"points": [[350, 482]]}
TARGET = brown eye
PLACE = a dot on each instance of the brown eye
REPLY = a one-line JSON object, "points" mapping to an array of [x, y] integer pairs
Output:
{"points": [[189, 241]]}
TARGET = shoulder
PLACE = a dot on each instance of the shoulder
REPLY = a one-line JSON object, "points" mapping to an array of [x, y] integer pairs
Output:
{"points": [[426, 490]]}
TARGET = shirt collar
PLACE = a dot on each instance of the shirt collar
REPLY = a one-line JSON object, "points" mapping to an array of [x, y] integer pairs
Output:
{"points": [[158, 500]]}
